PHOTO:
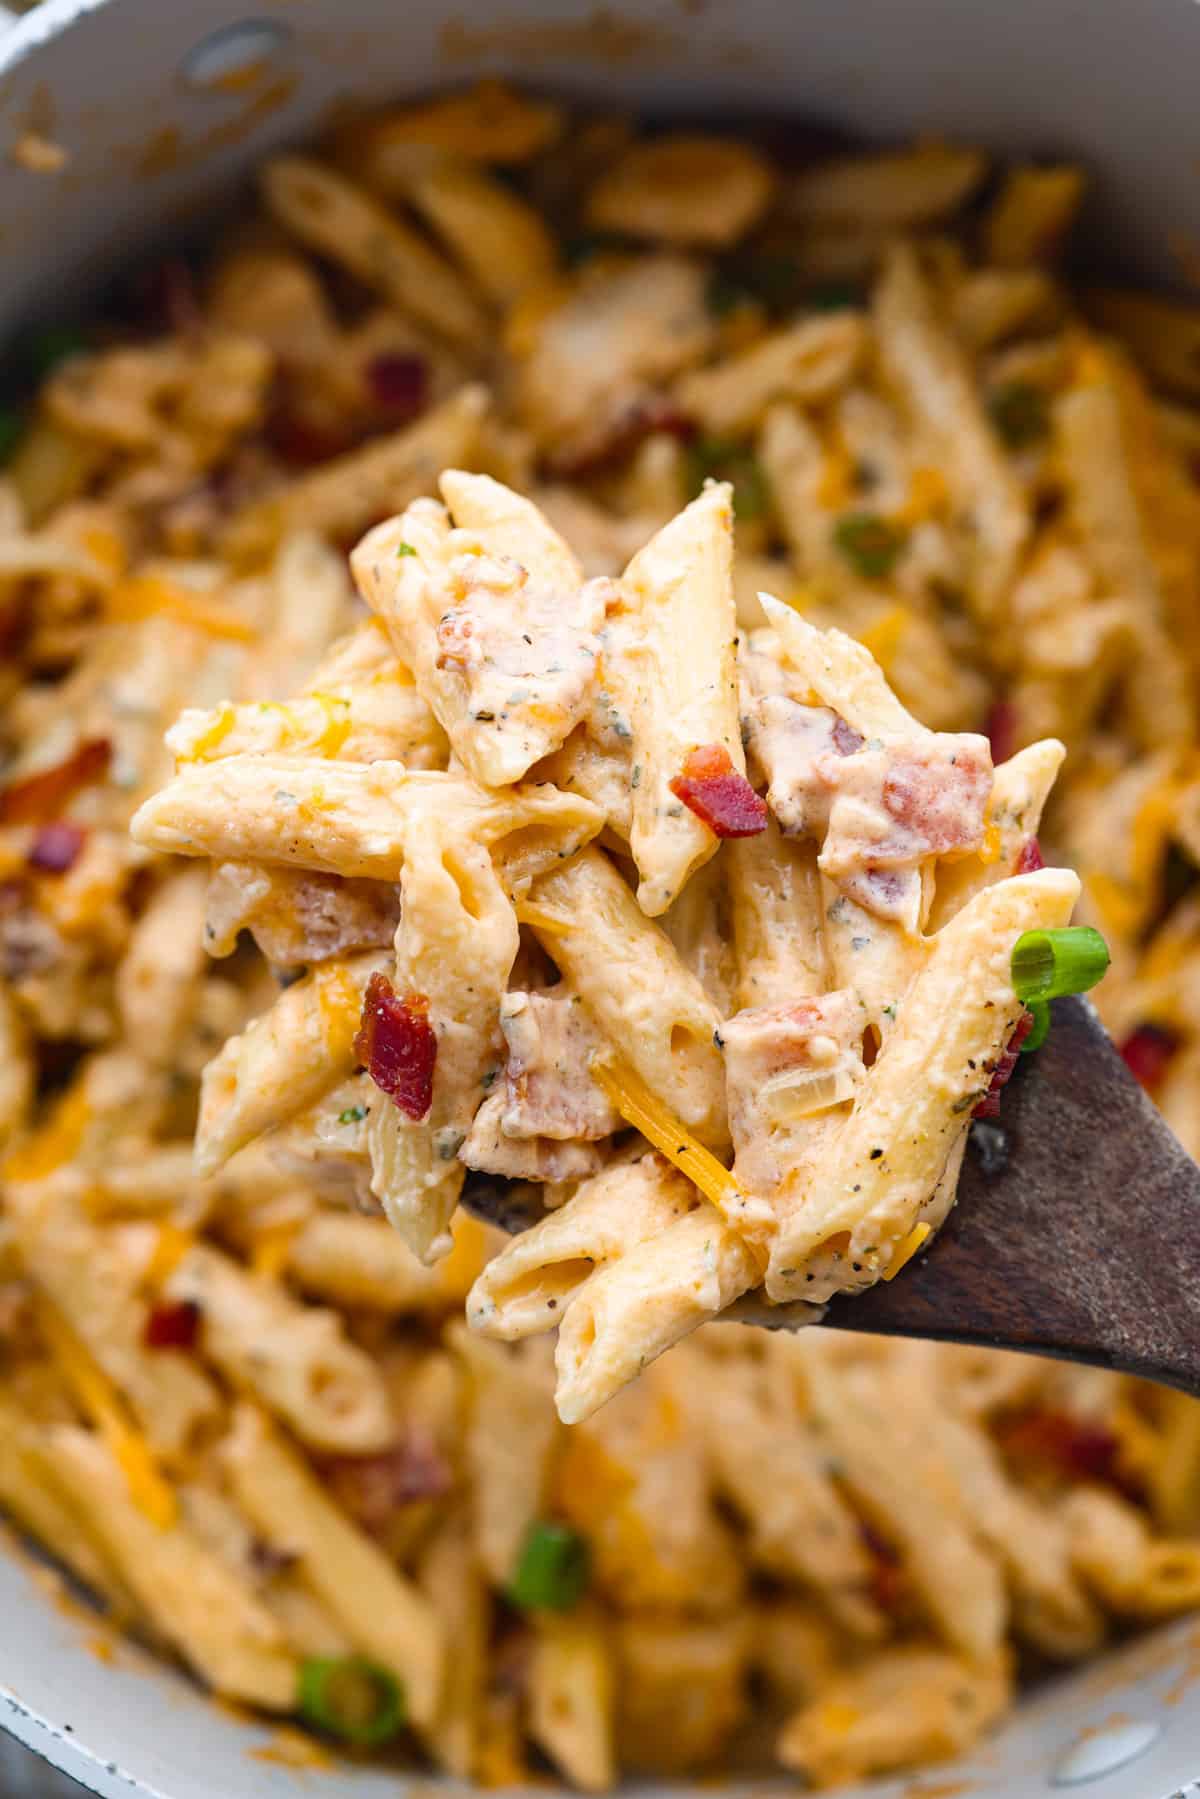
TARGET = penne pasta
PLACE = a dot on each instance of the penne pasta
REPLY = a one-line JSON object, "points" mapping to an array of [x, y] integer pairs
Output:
{"points": [[764, 569]]}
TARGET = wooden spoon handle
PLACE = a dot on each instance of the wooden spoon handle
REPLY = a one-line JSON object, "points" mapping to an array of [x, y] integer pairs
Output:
{"points": [[1077, 1229]]}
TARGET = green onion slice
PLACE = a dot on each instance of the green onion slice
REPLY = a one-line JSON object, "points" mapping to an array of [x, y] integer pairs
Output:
{"points": [[11, 427], [833, 296], [726, 460], [724, 294], [870, 542], [1020, 413], [1048, 964], [47, 348], [352, 1699], [1040, 1027], [552, 1569]]}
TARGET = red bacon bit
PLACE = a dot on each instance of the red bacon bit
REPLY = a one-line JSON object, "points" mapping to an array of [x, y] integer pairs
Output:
{"points": [[399, 383], [1000, 729], [164, 299], [373, 1488], [397, 1046], [1030, 859], [845, 738], [711, 787], [937, 799], [1062, 1445], [175, 1324], [887, 1583], [56, 848], [304, 442], [39, 798], [620, 437], [989, 1105], [1148, 1052]]}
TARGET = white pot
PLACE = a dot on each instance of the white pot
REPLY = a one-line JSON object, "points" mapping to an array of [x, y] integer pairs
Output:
{"points": [[116, 82]]}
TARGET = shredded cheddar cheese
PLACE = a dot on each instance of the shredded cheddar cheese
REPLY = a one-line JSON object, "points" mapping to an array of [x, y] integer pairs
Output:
{"points": [[340, 1009], [99, 1399], [144, 596], [993, 840], [647, 1113], [172, 1245], [337, 728], [106, 548], [216, 734], [838, 1720], [1120, 909], [882, 637], [523, 326], [57, 1142], [457, 1272], [906, 1249], [835, 489], [927, 495], [269, 1255]]}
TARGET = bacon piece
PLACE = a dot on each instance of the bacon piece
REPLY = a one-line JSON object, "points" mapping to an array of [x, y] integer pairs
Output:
{"points": [[397, 1046], [711, 787], [304, 442], [373, 1488], [1000, 729], [297, 915], [887, 1584], [1030, 859], [619, 438], [938, 797], [845, 738], [399, 383], [163, 298], [56, 847], [39, 798], [29, 944], [1148, 1052], [1072, 1446], [175, 1324], [989, 1105]]}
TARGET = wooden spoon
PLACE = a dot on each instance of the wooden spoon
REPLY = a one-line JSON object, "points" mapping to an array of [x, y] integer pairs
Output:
{"points": [[1076, 1232]]}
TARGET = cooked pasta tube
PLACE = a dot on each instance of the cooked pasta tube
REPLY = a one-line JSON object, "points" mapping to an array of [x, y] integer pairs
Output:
{"points": [[344, 818], [670, 659], [382, 1613], [194, 1600], [530, 1284], [932, 377], [333, 216], [954, 1023], [284, 1060], [295, 1359], [639, 1305], [633, 983]]}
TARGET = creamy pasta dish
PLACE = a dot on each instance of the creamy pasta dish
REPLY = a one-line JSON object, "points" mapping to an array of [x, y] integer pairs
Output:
{"points": [[596, 669]]}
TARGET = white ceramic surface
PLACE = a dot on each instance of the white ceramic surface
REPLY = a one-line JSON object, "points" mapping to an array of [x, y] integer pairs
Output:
{"points": [[1112, 80]]}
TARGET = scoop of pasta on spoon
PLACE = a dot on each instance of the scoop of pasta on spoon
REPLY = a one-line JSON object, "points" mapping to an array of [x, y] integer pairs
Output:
{"points": [[708, 953], [1076, 1232]]}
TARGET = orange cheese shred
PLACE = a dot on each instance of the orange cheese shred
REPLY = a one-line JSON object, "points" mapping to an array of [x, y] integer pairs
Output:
{"points": [[100, 1401], [644, 1110], [906, 1249]]}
